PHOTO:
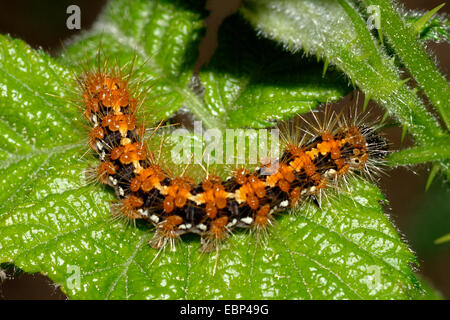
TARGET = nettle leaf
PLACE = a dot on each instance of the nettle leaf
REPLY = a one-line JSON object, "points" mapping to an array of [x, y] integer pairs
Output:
{"points": [[252, 82], [54, 222], [35, 126]]}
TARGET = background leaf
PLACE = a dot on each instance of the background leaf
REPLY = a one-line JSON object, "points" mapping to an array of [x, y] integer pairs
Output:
{"points": [[252, 89]]}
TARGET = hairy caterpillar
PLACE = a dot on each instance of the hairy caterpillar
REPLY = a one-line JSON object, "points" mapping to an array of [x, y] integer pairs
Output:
{"points": [[176, 205]]}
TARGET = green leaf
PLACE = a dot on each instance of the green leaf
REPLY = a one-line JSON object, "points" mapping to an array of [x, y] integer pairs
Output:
{"points": [[431, 152], [52, 221], [420, 23], [251, 89], [429, 26], [35, 126], [443, 239]]}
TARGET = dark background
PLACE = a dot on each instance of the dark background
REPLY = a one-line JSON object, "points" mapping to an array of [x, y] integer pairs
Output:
{"points": [[420, 216]]}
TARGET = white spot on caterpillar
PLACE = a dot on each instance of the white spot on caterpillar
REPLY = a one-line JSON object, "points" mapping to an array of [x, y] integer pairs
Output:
{"points": [[232, 223], [113, 180], [94, 119], [188, 225], [330, 173], [247, 220], [122, 193], [99, 145], [284, 203], [202, 227], [103, 155], [312, 189], [154, 218], [182, 226]]}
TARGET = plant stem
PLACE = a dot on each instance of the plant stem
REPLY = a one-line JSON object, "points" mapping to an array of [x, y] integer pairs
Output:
{"points": [[404, 40], [431, 152]]}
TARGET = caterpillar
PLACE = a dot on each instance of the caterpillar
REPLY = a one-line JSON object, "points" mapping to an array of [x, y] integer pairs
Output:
{"points": [[213, 208]]}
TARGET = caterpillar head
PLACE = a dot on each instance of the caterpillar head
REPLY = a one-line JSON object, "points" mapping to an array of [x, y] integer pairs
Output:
{"points": [[364, 147]]}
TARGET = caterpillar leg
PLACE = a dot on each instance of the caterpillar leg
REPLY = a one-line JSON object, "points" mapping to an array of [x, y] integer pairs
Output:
{"points": [[167, 233], [217, 233], [262, 223], [126, 210]]}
